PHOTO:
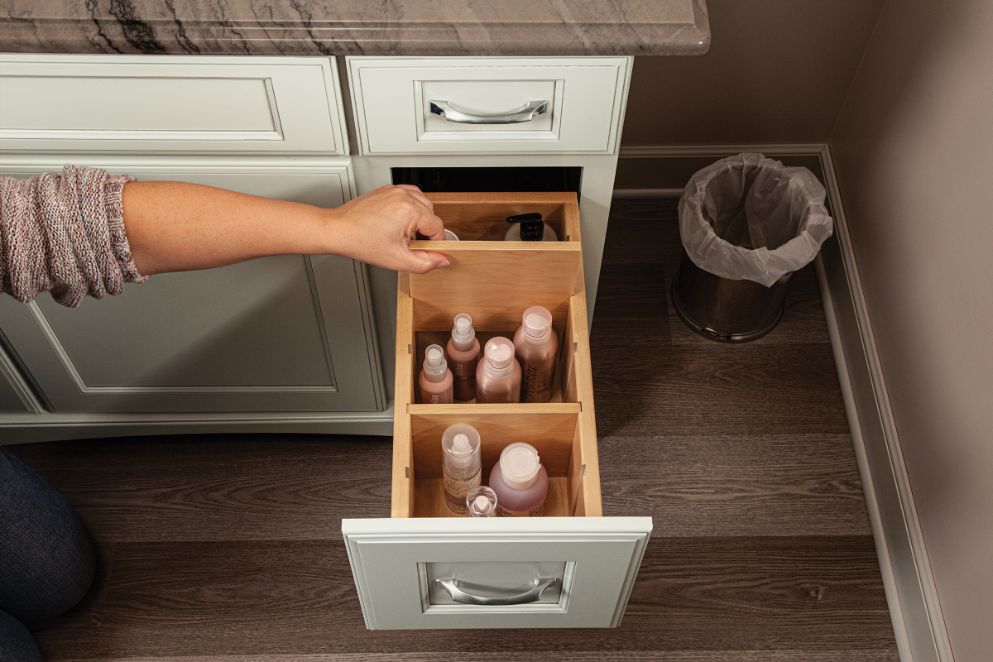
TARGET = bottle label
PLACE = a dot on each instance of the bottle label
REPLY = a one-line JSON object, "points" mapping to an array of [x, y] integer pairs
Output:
{"points": [[538, 379], [456, 490]]}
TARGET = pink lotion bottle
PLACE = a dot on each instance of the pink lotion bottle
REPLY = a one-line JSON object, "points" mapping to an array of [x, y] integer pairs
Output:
{"points": [[537, 346], [435, 380], [520, 482], [463, 355], [498, 375]]}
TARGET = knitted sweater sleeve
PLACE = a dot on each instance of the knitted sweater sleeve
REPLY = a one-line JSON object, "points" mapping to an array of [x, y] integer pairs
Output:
{"points": [[64, 233]]}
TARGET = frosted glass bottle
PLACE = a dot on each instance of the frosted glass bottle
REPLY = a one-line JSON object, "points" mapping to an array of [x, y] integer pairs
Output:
{"points": [[536, 346], [520, 482], [463, 356], [461, 464], [498, 376]]}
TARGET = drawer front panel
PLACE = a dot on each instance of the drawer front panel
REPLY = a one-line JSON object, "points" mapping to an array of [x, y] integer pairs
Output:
{"points": [[166, 104], [488, 105], [588, 564]]}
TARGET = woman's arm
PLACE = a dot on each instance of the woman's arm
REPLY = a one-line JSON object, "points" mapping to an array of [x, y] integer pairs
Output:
{"points": [[173, 226], [83, 232]]}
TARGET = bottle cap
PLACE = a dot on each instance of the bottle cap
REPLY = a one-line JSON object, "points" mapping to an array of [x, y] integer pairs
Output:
{"points": [[461, 445], [532, 226], [481, 502], [434, 361], [462, 332], [537, 322], [450, 236], [499, 352], [519, 465]]}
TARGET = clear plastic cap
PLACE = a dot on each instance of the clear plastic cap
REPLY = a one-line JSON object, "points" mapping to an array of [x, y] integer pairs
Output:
{"points": [[435, 364], [461, 443], [462, 332], [499, 352], [519, 465], [481, 502], [537, 323]]}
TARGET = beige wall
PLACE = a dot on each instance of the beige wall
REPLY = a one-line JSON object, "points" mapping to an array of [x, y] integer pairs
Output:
{"points": [[914, 152], [777, 72]]}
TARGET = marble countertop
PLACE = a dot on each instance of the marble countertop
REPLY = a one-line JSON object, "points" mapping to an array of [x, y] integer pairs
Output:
{"points": [[356, 27]]}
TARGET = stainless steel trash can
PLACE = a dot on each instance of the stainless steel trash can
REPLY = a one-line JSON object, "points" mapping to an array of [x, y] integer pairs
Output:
{"points": [[727, 310], [746, 224]]}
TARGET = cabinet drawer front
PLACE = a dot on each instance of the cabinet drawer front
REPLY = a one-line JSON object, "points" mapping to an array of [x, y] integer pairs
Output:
{"points": [[488, 105], [168, 104], [587, 563]]}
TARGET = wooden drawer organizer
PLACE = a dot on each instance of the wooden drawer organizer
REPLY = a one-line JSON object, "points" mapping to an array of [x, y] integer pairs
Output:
{"points": [[494, 281]]}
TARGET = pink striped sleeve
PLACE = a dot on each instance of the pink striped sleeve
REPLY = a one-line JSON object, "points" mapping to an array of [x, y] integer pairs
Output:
{"points": [[64, 233]]}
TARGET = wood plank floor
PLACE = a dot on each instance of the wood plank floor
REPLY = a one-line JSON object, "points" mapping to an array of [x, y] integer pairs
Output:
{"points": [[228, 548]]}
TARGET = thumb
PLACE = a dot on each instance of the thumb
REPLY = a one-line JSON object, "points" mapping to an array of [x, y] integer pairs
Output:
{"points": [[425, 261]]}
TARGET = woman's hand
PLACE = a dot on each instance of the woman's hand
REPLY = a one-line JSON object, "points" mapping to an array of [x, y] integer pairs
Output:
{"points": [[376, 228]]}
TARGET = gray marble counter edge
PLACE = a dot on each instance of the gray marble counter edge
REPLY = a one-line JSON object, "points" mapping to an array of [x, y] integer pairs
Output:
{"points": [[219, 36]]}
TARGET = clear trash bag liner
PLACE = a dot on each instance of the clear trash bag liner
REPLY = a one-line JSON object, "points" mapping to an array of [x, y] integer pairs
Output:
{"points": [[747, 217]]}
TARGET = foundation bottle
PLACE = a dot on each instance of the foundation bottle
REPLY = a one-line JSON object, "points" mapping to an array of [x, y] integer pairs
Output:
{"points": [[520, 482], [461, 464], [537, 346], [498, 375], [463, 355], [435, 380]]}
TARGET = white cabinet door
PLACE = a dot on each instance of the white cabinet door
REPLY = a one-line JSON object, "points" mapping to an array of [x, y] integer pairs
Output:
{"points": [[432, 573], [286, 333]]}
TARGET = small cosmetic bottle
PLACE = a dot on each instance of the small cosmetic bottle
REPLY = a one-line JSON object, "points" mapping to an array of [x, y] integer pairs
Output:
{"points": [[537, 347], [520, 482], [461, 464], [481, 502], [435, 381], [463, 355], [498, 375]]}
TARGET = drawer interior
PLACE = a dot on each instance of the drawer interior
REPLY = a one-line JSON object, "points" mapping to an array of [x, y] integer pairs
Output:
{"points": [[494, 281]]}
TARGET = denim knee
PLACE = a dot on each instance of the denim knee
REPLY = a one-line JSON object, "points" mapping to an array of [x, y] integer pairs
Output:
{"points": [[16, 643], [48, 559]]}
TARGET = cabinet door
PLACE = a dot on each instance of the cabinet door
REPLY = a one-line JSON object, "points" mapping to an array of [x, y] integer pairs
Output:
{"points": [[286, 333]]}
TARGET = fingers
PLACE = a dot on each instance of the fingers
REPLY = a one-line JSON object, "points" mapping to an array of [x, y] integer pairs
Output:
{"points": [[421, 262], [431, 226]]}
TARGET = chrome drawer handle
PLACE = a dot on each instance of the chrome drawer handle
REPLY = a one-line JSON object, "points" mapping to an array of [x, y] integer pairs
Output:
{"points": [[531, 595], [450, 113]]}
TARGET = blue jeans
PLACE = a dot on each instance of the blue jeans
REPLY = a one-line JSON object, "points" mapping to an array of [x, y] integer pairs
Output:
{"points": [[46, 558]]}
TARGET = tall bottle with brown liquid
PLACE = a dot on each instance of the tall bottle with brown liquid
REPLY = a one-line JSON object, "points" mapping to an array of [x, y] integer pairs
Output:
{"points": [[537, 346], [463, 355]]}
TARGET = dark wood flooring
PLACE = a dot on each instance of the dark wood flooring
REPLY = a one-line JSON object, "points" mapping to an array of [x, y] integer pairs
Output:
{"points": [[229, 547]]}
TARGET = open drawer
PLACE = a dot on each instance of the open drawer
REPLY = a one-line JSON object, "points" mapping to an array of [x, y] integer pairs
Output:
{"points": [[422, 568]]}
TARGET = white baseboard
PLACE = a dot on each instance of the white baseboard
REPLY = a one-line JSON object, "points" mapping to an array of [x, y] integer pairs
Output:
{"points": [[918, 624], [655, 151]]}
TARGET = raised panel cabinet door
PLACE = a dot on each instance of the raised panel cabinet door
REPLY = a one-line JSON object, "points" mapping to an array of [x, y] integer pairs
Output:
{"points": [[284, 333], [503, 572]]}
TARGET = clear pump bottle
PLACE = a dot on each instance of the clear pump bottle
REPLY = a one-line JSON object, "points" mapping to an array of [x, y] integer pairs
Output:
{"points": [[498, 375], [463, 355], [461, 464], [435, 380], [537, 346]]}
